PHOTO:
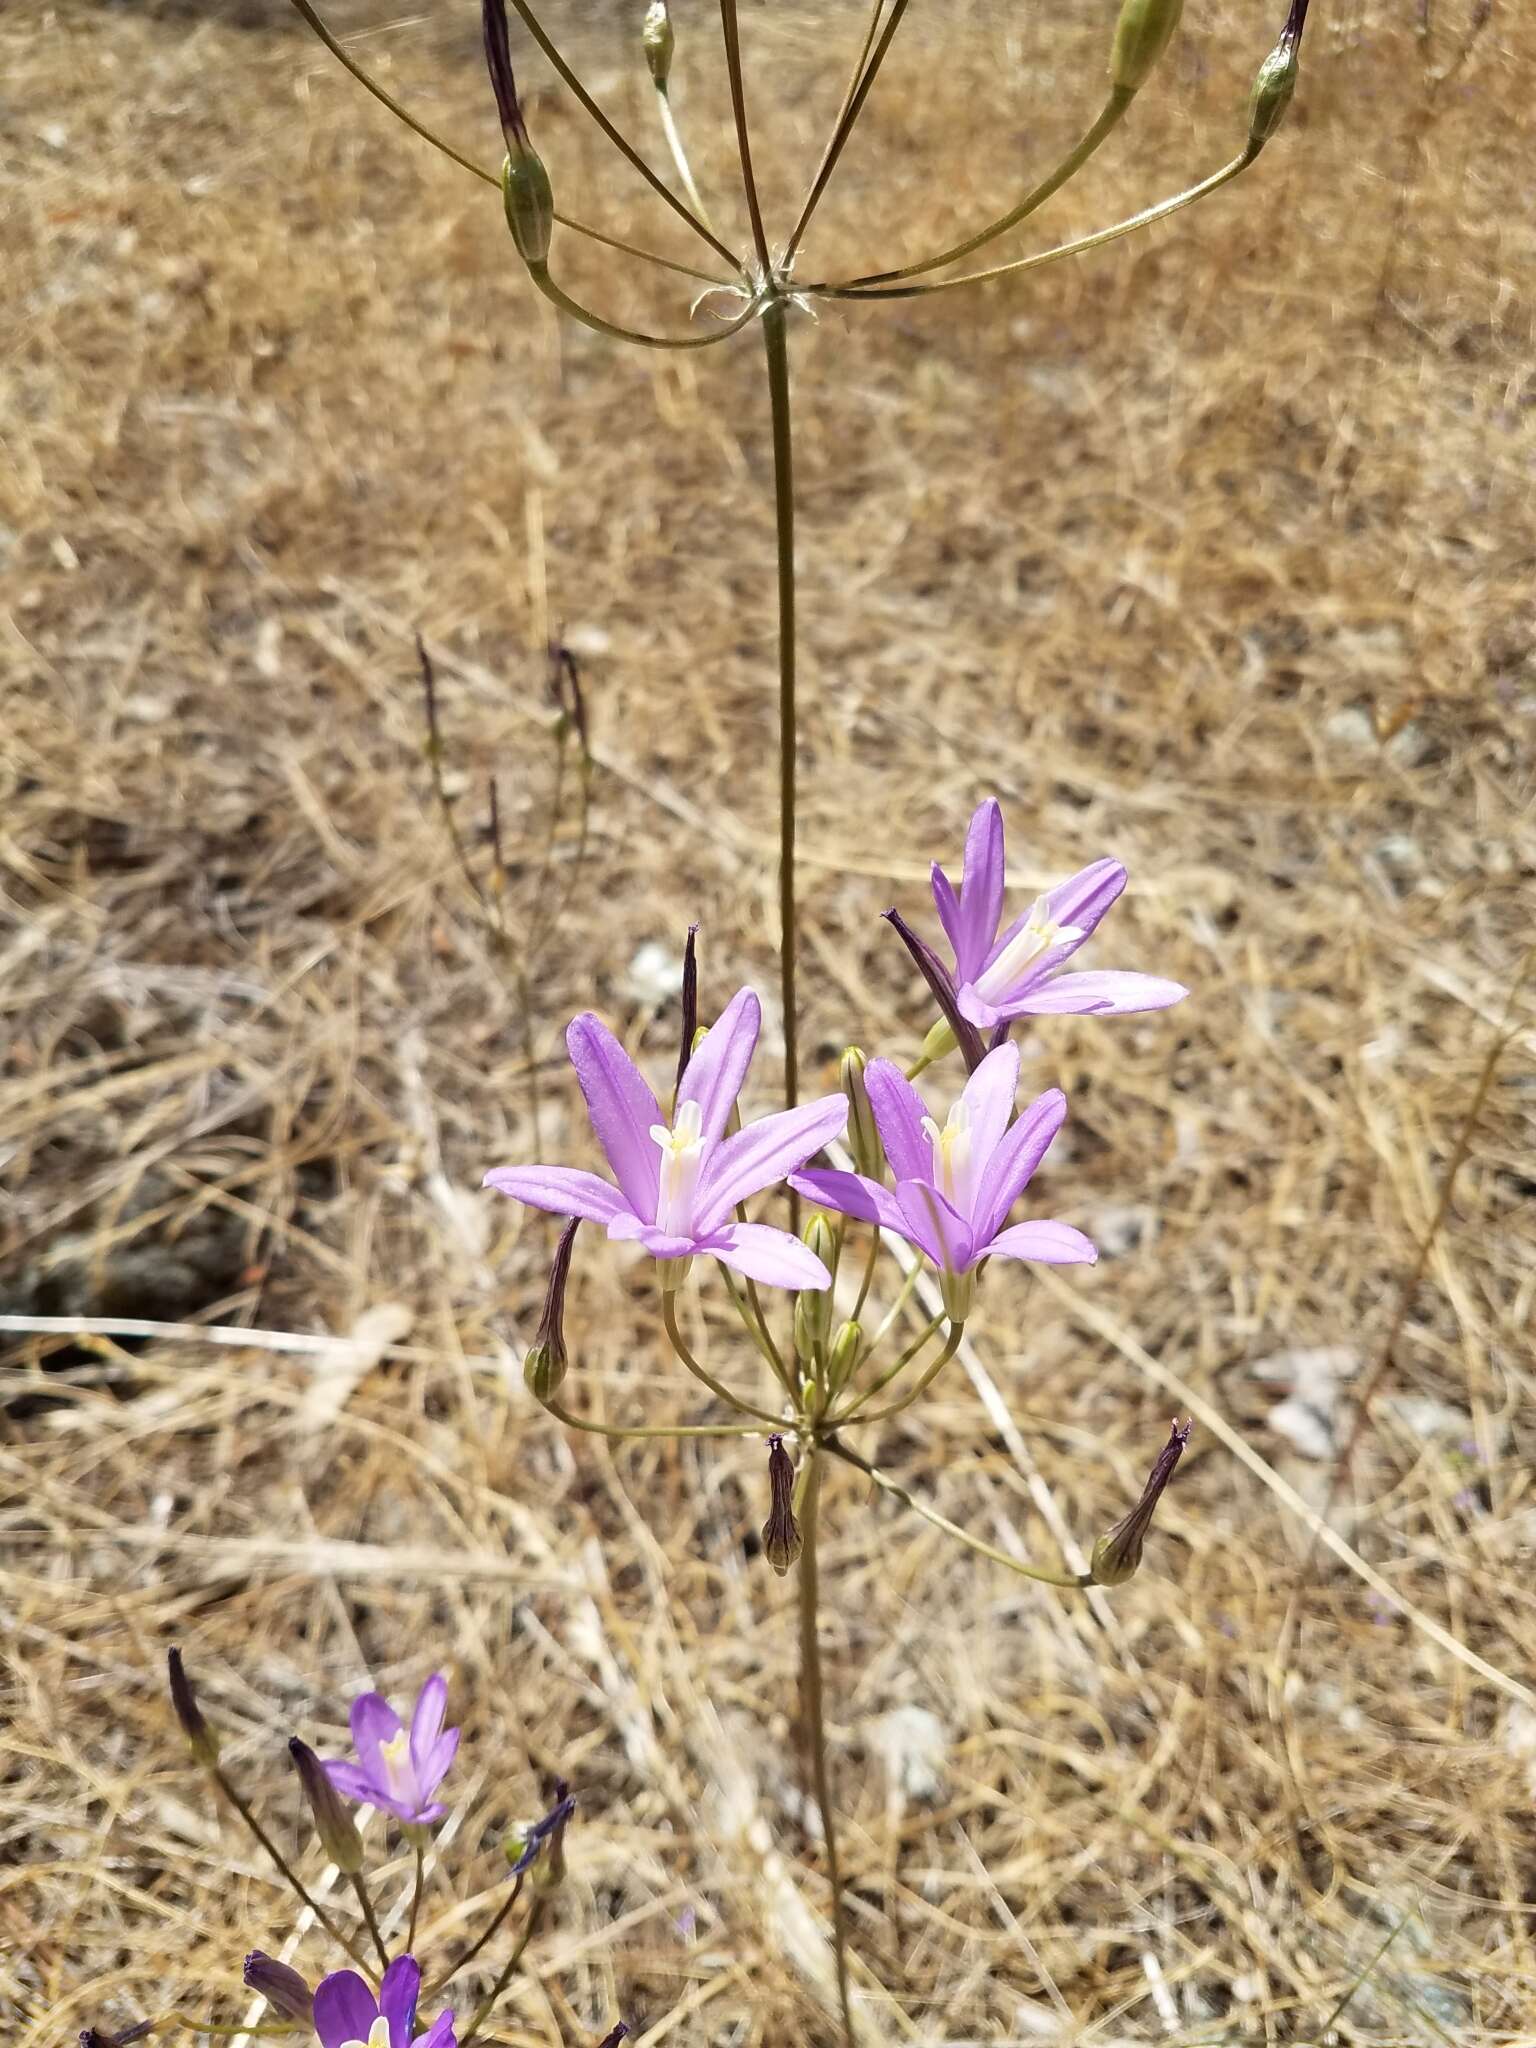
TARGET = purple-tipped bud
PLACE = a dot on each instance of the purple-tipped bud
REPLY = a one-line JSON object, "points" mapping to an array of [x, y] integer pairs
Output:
{"points": [[1142, 34], [942, 988], [690, 1002], [658, 42], [1272, 91], [333, 1823], [525, 191], [545, 1838], [283, 1989], [618, 2034], [547, 1362], [781, 1532], [1117, 1556], [201, 1739], [498, 60], [863, 1132]]}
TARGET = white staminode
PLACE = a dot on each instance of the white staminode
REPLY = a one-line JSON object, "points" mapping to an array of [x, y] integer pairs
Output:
{"points": [[395, 1756], [951, 1149], [1035, 936], [682, 1154], [378, 2036]]}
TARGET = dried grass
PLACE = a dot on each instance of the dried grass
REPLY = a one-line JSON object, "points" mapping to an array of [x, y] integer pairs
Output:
{"points": [[1216, 552]]}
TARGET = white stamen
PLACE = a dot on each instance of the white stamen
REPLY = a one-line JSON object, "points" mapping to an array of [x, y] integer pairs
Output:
{"points": [[378, 2036], [951, 1148], [1035, 936], [682, 1156]]}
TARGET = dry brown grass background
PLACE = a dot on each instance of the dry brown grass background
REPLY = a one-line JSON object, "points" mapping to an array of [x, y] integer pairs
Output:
{"points": [[1216, 553]]}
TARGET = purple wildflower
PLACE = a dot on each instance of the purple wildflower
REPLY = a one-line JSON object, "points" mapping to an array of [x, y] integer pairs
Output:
{"points": [[1018, 973], [678, 1185], [955, 1185], [399, 1769], [348, 2015]]}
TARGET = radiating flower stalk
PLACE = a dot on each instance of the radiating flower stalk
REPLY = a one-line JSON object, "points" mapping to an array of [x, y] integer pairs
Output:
{"points": [[942, 1177], [397, 1769]]}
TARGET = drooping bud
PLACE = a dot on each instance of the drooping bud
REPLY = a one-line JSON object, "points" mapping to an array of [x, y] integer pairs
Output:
{"points": [[813, 1305], [843, 1356], [863, 1132], [1117, 1555], [690, 1004], [547, 1362], [781, 1532], [283, 1989], [201, 1739], [1272, 91], [658, 42], [525, 192], [942, 988], [333, 1822], [1142, 34]]}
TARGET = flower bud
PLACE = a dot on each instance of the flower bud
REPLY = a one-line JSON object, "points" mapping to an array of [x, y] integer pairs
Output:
{"points": [[813, 1305], [333, 1823], [1116, 1556], [1142, 34], [690, 1001], [529, 204], [1272, 91], [844, 1356], [201, 1739], [546, 1363], [658, 42], [863, 1132], [939, 1044], [524, 1846], [613, 2038], [781, 1532], [283, 1989]]}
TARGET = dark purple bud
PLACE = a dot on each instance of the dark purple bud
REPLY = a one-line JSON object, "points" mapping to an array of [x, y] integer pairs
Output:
{"points": [[936, 974], [690, 1001], [781, 1532], [547, 1362], [283, 1989], [1117, 1555], [498, 58], [201, 1739], [612, 2040], [524, 1848], [566, 683], [333, 1822]]}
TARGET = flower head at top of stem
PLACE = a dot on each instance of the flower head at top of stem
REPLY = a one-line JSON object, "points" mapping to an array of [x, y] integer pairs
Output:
{"points": [[956, 1181], [348, 2014], [399, 1768], [678, 1183]]}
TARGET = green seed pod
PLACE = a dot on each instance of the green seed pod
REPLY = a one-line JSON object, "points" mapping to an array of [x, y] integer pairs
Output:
{"points": [[843, 1356], [863, 1132], [1142, 34], [1272, 91], [658, 42], [530, 206], [543, 1370]]}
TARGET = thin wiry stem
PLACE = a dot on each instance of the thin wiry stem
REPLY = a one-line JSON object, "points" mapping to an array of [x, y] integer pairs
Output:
{"points": [[729, 29], [846, 123], [751, 1314], [1144, 219], [287, 1872], [923, 1383], [823, 169], [480, 1940], [1113, 112], [813, 1714], [908, 1499], [716, 1387], [348, 62], [670, 129], [361, 1888], [416, 1891], [620, 142], [488, 2004], [545, 283], [621, 1434], [776, 342], [852, 1412]]}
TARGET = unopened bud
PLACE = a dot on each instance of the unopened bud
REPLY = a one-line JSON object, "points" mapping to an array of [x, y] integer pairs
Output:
{"points": [[813, 1305], [844, 1356], [615, 2036], [1116, 1556], [201, 1739], [690, 1006], [939, 1044], [658, 42], [283, 1989], [863, 1132], [1142, 34], [1272, 91], [546, 1363], [333, 1822], [781, 1532], [529, 205]]}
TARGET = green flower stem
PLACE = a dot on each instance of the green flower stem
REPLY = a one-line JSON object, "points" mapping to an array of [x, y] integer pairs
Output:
{"points": [[926, 1380], [813, 1712], [348, 62], [729, 30], [289, 1875], [1144, 219], [625, 148], [852, 1412], [776, 343], [819, 183], [651, 1430], [539, 272], [1113, 112], [416, 1891], [490, 1928], [1075, 1581], [847, 121], [716, 1387], [368, 1914], [670, 129], [871, 1258], [750, 1309], [904, 1294], [488, 2004]]}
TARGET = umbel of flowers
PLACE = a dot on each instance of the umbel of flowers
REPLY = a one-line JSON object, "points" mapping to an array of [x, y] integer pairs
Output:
{"points": [[382, 1997]]}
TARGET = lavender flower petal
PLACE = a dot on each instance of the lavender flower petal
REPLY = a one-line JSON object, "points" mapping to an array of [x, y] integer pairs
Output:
{"points": [[345, 2009], [714, 1076], [988, 1098], [1048, 1242], [353, 1782], [427, 1720], [1083, 898], [850, 1194], [930, 1222], [399, 1989], [1098, 994], [373, 1722], [899, 1112], [440, 2034], [1007, 1173], [947, 903], [763, 1153], [941, 986], [981, 888], [622, 1109], [563, 1190], [772, 1256]]}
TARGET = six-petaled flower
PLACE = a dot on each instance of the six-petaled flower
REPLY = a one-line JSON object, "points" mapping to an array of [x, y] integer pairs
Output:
{"points": [[399, 1768], [349, 2015]]}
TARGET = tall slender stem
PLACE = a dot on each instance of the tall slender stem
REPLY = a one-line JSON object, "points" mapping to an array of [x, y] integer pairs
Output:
{"points": [[360, 1887], [286, 1870], [814, 1717], [416, 1891], [847, 120], [729, 29], [776, 341]]}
